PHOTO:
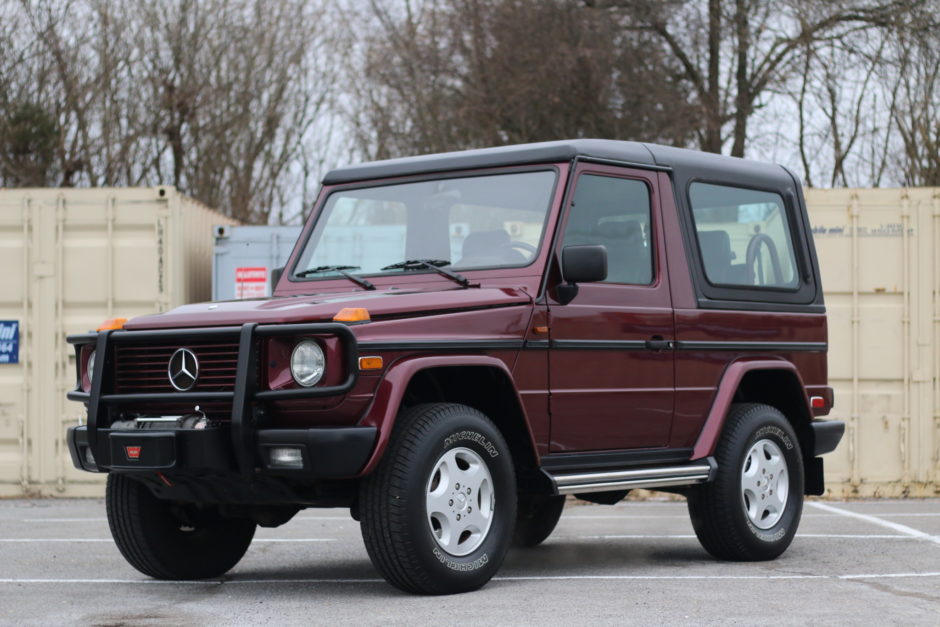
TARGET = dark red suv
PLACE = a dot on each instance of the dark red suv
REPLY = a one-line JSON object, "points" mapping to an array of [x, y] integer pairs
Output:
{"points": [[459, 341]]}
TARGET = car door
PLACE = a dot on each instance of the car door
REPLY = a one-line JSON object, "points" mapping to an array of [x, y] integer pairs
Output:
{"points": [[611, 363]]}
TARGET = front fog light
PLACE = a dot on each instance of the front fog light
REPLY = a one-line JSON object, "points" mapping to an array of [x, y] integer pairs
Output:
{"points": [[286, 457], [307, 363]]}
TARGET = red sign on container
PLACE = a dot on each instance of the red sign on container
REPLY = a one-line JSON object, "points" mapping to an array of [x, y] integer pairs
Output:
{"points": [[251, 282]]}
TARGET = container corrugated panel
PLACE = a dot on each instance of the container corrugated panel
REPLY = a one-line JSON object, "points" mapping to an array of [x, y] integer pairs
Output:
{"points": [[259, 249], [879, 251], [70, 259]]}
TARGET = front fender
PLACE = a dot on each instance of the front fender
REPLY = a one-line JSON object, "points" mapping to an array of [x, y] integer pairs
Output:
{"points": [[391, 390], [730, 380]]}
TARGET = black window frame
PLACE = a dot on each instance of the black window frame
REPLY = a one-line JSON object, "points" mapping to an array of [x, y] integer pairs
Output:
{"points": [[569, 204], [806, 297]]}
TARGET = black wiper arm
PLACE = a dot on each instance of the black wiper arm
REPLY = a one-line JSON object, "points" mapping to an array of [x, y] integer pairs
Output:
{"points": [[358, 280], [432, 264]]}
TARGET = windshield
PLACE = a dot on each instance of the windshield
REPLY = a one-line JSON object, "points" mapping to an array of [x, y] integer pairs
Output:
{"points": [[493, 221]]}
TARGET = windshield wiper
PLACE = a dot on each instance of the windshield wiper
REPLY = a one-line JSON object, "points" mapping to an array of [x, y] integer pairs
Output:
{"points": [[342, 270], [431, 264]]}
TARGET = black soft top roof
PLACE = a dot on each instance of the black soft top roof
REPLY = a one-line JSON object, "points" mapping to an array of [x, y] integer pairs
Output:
{"points": [[553, 152]]}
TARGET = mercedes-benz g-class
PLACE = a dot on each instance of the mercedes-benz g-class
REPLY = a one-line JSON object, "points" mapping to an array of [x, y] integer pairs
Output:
{"points": [[460, 340]]}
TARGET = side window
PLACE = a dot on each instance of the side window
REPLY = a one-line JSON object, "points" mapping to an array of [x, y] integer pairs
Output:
{"points": [[614, 212], [744, 236]]}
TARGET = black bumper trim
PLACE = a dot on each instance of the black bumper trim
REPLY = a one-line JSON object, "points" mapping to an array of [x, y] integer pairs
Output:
{"points": [[826, 435], [246, 397], [329, 453]]}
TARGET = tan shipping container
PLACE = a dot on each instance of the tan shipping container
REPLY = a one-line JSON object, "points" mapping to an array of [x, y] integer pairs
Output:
{"points": [[74, 257], [880, 259], [71, 258]]}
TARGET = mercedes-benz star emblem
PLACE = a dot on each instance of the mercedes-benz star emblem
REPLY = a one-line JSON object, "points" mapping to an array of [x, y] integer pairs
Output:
{"points": [[183, 369]]}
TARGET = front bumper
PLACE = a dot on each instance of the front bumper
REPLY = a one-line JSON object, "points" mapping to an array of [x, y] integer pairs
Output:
{"points": [[327, 452]]}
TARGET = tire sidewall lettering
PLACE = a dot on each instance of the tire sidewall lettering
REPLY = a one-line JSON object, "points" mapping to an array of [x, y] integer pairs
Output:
{"points": [[448, 561], [471, 436], [776, 432]]}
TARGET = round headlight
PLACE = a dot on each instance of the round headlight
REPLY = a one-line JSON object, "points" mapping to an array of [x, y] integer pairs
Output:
{"points": [[90, 367], [307, 363]]}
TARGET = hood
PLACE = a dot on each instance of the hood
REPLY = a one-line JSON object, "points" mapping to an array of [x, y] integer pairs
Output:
{"points": [[322, 307]]}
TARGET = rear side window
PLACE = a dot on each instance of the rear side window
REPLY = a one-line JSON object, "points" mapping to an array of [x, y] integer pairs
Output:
{"points": [[614, 212], [744, 237]]}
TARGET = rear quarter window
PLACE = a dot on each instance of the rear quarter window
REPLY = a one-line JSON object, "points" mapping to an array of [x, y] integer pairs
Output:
{"points": [[744, 237]]}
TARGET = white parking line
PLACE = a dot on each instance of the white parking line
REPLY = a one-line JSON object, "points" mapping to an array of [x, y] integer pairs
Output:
{"points": [[276, 581], [56, 540], [49, 520], [627, 516], [853, 536], [881, 522], [15, 540], [618, 536]]}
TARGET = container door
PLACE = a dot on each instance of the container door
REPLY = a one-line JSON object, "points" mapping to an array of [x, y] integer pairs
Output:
{"points": [[611, 358]]}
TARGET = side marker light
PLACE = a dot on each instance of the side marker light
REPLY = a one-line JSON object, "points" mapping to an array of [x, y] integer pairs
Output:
{"points": [[370, 363], [352, 314], [112, 324]]}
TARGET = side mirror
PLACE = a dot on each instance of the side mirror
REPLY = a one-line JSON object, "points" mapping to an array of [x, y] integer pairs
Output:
{"points": [[581, 264], [276, 276]]}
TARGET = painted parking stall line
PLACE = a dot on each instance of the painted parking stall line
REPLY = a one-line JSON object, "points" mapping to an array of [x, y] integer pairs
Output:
{"points": [[364, 580], [875, 520]]}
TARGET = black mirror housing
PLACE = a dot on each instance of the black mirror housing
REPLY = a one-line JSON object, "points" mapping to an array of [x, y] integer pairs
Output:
{"points": [[276, 276], [584, 264]]}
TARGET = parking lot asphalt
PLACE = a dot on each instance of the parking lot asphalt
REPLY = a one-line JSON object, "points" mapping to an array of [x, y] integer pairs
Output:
{"points": [[862, 562]]}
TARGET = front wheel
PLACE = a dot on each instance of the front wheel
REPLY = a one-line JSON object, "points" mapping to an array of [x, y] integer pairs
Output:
{"points": [[751, 511], [166, 540], [437, 514]]}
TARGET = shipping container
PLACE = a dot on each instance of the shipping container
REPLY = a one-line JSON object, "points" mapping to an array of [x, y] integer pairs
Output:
{"points": [[74, 257], [245, 256], [70, 259], [879, 251]]}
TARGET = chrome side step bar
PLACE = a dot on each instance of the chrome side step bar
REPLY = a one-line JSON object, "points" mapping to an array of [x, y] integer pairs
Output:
{"points": [[699, 471]]}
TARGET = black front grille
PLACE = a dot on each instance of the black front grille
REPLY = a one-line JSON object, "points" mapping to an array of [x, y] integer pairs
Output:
{"points": [[143, 369]]}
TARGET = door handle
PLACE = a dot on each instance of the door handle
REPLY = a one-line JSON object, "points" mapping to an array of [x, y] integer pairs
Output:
{"points": [[658, 343]]}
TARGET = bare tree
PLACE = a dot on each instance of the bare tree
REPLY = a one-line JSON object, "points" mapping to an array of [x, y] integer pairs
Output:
{"points": [[733, 53], [217, 97], [448, 74], [917, 111]]}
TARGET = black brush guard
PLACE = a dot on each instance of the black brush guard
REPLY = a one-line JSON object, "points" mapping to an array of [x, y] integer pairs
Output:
{"points": [[328, 452]]}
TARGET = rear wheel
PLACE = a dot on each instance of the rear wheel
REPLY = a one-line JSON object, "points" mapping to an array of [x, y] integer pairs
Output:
{"points": [[752, 509], [437, 514], [165, 540], [536, 519]]}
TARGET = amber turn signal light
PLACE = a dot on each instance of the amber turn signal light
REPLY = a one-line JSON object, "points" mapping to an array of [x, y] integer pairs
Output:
{"points": [[112, 324], [370, 363], [352, 314]]}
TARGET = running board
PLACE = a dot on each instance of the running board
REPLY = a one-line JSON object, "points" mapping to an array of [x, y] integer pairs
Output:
{"points": [[691, 473]]}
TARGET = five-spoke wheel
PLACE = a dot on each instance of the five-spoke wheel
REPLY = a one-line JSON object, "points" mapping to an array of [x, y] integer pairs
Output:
{"points": [[460, 501], [764, 484]]}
